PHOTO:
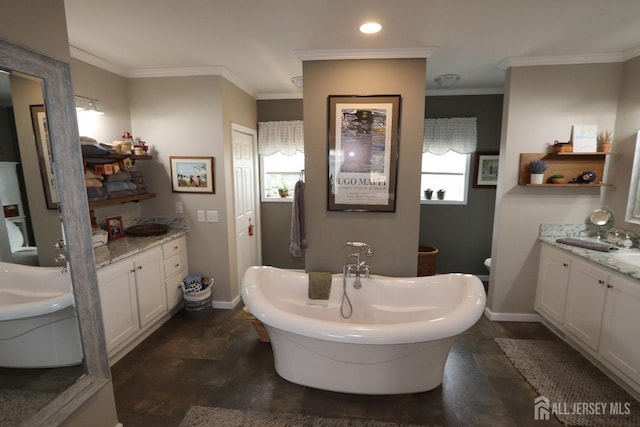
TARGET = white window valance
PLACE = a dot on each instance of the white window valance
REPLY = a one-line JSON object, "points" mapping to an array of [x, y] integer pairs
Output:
{"points": [[285, 137], [457, 134]]}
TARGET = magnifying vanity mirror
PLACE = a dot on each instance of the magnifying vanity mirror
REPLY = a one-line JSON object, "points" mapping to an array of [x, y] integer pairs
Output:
{"points": [[45, 82], [602, 219]]}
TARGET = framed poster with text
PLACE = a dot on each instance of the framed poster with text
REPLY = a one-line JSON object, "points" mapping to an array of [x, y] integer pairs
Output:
{"points": [[363, 143]]}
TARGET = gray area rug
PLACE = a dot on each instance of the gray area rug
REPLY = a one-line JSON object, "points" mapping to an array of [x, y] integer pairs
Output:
{"points": [[578, 393], [18, 405], [201, 416]]}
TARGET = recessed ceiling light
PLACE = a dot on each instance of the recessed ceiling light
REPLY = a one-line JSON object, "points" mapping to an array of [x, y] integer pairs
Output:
{"points": [[370, 27]]}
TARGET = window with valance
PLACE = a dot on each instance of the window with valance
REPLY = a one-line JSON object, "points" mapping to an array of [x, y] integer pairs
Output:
{"points": [[281, 153], [447, 146]]}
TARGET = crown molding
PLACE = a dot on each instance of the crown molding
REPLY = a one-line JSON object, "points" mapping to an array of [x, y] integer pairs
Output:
{"points": [[332, 54], [84, 56], [282, 95], [528, 61], [91, 59], [465, 91]]}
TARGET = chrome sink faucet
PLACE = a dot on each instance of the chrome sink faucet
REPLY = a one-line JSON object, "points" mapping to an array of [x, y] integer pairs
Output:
{"points": [[353, 264]]}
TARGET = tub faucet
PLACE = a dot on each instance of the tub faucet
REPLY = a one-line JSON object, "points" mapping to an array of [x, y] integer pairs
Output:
{"points": [[353, 264]]}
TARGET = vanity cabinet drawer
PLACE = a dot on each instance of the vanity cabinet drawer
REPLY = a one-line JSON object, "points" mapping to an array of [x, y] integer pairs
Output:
{"points": [[175, 264], [174, 247]]}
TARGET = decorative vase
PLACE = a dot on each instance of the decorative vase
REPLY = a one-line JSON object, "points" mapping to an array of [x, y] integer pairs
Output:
{"points": [[428, 194], [537, 178], [440, 194]]}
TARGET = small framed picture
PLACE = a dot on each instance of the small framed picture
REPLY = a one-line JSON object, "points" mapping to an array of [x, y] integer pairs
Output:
{"points": [[192, 174], [115, 228], [486, 170]]}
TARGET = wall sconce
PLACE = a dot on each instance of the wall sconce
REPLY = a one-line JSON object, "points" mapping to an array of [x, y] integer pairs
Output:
{"points": [[87, 105]]}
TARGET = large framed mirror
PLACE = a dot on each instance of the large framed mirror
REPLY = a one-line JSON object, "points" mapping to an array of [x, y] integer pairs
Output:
{"points": [[633, 201], [65, 149]]}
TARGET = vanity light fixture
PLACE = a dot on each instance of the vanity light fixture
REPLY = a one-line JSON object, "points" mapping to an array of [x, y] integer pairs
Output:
{"points": [[91, 105], [370, 27], [447, 80]]}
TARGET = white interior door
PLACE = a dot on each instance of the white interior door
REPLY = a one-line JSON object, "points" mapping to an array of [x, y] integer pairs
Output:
{"points": [[245, 191]]}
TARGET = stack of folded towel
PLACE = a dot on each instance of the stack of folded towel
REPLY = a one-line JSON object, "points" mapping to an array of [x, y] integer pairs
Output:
{"points": [[124, 183], [95, 189], [138, 180], [119, 185]]}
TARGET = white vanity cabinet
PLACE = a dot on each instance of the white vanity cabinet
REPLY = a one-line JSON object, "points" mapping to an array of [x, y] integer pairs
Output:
{"points": [[596, 307], [620, 343], [117, 288], [585, 302], [553, 281], [175, 269], [149, 277]]}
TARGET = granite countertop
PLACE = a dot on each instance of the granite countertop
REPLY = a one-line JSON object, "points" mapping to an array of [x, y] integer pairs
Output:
{"points": [[549, 235], [127, 246]]}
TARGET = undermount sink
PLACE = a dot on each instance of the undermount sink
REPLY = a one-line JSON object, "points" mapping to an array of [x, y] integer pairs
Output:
{"points": [[629, 258]]}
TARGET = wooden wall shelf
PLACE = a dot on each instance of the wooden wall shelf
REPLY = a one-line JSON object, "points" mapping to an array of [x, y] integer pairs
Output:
{"points": [[570, 165], [118, 201]]}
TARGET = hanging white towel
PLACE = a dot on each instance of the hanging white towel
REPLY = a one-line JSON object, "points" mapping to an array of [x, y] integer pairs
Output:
{"points": [[298, 236]]}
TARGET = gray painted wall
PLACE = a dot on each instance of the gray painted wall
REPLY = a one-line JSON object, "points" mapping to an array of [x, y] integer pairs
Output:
{"points": [[462, 233], [276, 215], [394, 236]]}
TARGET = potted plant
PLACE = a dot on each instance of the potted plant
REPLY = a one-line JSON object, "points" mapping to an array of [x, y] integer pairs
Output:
{"points": [[604, 140], [283, 188], [537, 169], [428, 193], [440, 194], [556, 179]]}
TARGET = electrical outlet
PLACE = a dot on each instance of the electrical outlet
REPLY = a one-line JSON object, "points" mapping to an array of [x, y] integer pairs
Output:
{"points": [[200, 216], [212, 216], [179, 207]]}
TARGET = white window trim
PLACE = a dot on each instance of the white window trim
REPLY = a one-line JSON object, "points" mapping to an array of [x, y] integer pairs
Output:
{"points": [[464, 201]]}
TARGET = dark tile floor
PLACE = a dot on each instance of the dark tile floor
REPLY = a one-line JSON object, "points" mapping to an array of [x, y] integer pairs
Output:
{"points": [[218, 361]]}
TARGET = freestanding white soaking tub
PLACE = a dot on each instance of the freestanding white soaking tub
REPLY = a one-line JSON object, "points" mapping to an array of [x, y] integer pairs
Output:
{"points": [[396, 341], [38, 320]]}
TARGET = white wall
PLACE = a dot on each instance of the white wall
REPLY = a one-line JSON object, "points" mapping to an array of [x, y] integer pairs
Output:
{"points": [[541, 104], [190, 116]]}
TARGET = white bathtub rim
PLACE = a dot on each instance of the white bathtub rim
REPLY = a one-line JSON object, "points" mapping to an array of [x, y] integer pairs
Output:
{"points": [[464, 315], [36, 308]]}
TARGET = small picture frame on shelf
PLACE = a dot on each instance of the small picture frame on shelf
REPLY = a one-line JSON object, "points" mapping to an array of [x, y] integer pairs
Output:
{"points": [[115, 228]]}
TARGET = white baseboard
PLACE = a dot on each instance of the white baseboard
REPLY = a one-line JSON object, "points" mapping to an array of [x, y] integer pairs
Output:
{"points": [[227, 305], [511, 317]]}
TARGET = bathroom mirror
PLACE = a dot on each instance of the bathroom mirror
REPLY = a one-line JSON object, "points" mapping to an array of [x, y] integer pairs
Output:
{"points": [[63, 135], [31, 228], [633, 201], [602, 219]]}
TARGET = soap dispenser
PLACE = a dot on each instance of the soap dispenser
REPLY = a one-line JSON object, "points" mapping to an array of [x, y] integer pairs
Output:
{"points": [[627, 242]]}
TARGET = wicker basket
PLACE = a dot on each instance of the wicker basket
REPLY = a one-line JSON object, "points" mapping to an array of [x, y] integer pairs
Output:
{"points": [[427, 260], [197, 304], [257, 325]]}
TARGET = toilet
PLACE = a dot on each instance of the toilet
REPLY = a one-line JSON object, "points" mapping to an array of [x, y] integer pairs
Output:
{"points": [[25, 255]]}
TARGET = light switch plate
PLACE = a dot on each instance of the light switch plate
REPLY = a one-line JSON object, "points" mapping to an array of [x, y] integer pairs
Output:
{"points": [[179, 207], [200, 216], [212, 216]]}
